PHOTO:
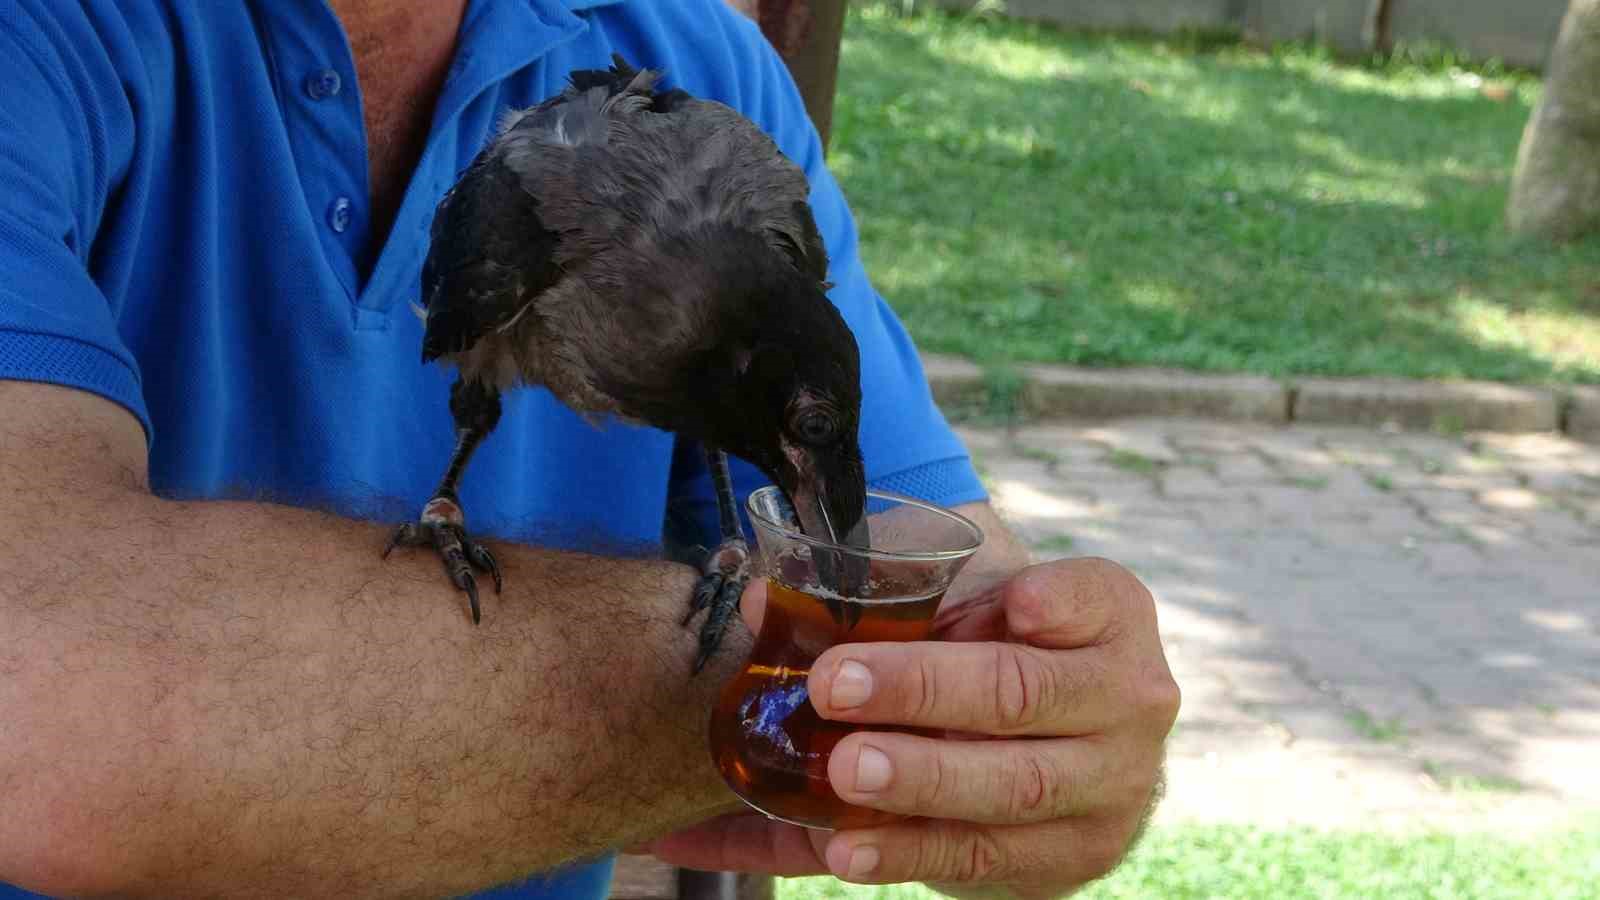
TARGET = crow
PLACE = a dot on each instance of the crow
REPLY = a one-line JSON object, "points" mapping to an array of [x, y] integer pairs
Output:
{"points": [[652, 257]]}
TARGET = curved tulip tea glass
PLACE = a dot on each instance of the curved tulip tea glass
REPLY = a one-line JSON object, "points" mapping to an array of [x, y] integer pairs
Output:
{"points": [[766, 738]]}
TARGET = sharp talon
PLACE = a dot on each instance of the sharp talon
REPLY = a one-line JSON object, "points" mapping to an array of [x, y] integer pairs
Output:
{"points": [[395, 539], [723, 605], [725, 571], [456, 550], [703, 592], [702, 658], [483, 559]]}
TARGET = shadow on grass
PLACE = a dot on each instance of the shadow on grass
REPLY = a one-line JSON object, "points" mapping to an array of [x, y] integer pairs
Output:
{"points": [[1100, 202]]}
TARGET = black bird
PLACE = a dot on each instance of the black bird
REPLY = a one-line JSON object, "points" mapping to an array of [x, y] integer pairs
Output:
{"points": [[649, 256]]}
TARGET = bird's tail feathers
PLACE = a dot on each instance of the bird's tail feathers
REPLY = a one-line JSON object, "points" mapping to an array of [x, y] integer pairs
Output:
{"points": [[621, 78], [622, 83]]}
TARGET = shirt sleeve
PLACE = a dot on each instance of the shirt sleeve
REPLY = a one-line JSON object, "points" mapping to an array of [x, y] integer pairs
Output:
{"points": [[59, 112], [908, 445]]}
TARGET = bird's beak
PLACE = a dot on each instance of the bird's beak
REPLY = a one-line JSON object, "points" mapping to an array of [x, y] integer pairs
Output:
{"points": [[829, 493]]}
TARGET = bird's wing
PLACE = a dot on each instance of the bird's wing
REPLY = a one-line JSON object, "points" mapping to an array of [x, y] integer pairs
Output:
{"points": [[502, 235], [489, 255]]}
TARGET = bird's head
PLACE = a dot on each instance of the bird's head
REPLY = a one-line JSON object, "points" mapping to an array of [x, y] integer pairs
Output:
{"points": [[730, 343], [794, 408]]}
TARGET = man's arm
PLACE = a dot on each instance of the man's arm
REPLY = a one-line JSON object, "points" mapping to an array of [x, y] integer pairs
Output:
{"points": [[200, 698]]}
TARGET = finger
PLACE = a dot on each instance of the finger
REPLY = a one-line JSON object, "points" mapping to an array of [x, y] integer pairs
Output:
{"points": [[753, 603], [989, 688], [1075, 603], [980, 618], [986, 782], [1044, 860], [744, 842]]}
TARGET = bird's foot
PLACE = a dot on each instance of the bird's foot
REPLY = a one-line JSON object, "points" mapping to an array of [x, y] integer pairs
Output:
{"points": [[441, 526], [722, 579]]}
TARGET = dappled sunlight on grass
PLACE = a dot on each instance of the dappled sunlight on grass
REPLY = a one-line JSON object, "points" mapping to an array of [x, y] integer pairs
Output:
{"points": [[1024, 194], [1349, 175], [1565, 336]]}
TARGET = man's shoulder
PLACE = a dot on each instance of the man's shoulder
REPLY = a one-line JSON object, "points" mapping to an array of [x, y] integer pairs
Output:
{"points": [[707, 47]]}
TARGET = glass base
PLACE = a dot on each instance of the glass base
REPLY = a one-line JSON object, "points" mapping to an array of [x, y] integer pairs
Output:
{"points": [[856, 817]]}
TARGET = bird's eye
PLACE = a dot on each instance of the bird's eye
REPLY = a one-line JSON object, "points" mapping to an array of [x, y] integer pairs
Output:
{"points": [[815, 427]]}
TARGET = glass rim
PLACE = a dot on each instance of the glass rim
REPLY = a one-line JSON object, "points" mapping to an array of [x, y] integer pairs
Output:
{"points": [[975, 534]]}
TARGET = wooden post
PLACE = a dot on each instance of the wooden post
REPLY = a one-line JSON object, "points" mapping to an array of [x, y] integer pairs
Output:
{"points": [[1375, 30], [806, 33]]}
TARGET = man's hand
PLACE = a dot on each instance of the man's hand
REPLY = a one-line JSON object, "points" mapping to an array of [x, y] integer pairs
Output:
{"points": [[1055, 700]]}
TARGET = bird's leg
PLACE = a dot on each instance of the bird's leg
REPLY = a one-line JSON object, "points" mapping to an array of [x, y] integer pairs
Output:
{"points": [[726, 570], [476, 410]]}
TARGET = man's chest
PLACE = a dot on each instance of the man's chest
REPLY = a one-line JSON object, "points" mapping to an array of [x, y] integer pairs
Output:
{"points": [[401, 53]]}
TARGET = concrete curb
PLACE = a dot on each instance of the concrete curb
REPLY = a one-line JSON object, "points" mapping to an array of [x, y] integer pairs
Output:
{"points": [[1056, 392], [1423, 405], [1068, 392], [1583, 414]]}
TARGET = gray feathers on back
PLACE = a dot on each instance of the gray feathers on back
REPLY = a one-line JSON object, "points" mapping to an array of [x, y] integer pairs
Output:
{"points": [[609, 271], [607, 171]]}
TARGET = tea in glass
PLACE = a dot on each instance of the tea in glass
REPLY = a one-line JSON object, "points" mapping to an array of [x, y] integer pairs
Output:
{"points": [[766, 738]]}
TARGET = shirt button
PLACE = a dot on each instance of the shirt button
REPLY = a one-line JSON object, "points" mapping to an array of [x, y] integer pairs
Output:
{"points": [[322, 85], [339, 214]]}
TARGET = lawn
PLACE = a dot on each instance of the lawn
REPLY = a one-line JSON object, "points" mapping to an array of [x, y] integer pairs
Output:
{"points": [[1026, 194], [1235, 863]]}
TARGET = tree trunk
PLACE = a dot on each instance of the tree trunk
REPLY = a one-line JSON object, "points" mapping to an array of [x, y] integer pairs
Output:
{"points": [[1555, 192]]}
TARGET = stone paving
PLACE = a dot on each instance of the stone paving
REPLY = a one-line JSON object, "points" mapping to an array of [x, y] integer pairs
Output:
{"points": [[1371, 629]]}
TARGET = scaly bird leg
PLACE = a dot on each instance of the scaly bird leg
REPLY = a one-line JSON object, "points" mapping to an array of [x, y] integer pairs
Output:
{"points": [[476, 410], [726, 571]]}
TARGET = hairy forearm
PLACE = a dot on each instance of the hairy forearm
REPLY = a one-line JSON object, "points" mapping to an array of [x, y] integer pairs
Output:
{"points": [[209, 698]]}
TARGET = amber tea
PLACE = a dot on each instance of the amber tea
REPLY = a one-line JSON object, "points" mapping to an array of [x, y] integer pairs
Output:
{"points": [[771, 745], [766, 738]]}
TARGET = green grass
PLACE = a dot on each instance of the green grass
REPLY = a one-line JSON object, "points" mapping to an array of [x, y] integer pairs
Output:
{"points": [[1240, 863], [1055, 543], [1037, 454], [1130, 461], [1381, 730], [1466, 783], [1025, 194]]}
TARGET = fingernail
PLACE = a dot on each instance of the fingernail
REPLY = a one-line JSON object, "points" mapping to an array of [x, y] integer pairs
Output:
{"points": [[872, 770], [860, 862], [852, 685]]}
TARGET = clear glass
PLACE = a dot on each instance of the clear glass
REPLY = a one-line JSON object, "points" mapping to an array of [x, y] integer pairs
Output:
{"points": [[766, 738]]}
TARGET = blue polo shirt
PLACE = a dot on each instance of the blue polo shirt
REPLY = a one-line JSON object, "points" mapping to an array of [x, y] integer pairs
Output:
{"points": [[184, 231]]}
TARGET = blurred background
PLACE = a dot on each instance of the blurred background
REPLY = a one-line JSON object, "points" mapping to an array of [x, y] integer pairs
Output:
{"points": [[1195, 196], [1388, 634]]}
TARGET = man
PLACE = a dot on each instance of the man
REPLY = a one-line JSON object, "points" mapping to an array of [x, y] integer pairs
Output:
{"points": [[212, 219]]}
